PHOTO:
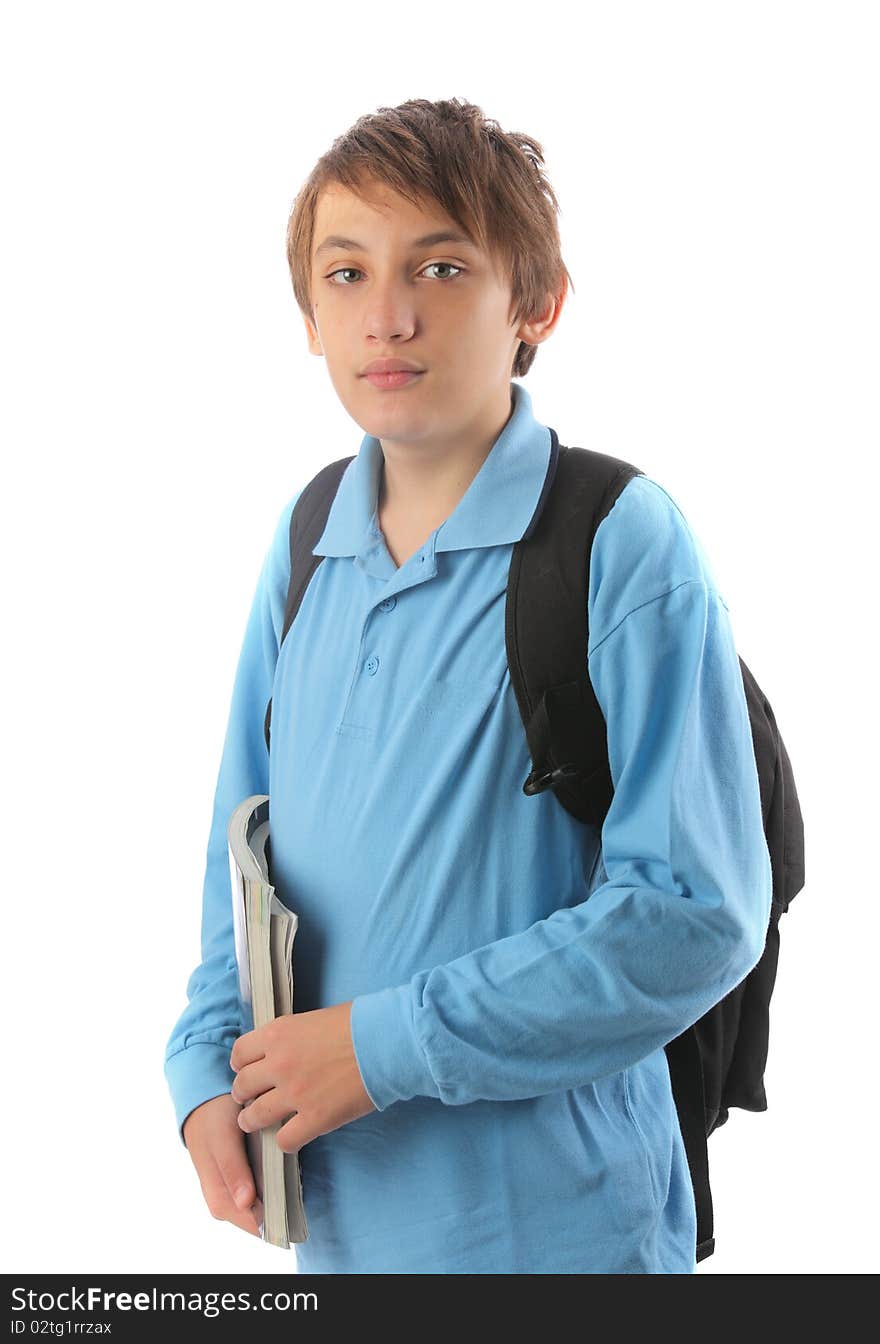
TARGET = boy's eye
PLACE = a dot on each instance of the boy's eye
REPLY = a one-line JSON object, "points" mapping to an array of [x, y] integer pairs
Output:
{"points": [[347, 270]]}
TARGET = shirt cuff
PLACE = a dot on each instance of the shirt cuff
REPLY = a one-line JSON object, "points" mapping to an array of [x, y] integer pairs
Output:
{"points": [[195, 1074], [391, 1061]]}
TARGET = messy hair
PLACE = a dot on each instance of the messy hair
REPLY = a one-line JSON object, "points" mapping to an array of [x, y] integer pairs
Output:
{"points": [[489, 181]]}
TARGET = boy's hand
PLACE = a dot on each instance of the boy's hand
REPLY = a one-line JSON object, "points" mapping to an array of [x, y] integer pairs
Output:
{"points": [[302, 1066], [217, 1147]]}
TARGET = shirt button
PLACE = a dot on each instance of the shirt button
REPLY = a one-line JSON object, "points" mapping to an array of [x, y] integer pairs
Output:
{"points": [[389, 604], [372, 665]]}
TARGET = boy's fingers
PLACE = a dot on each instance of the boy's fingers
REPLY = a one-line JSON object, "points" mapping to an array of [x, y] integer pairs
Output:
{"points": [[247, 1211], [248, 1220], [219, 1153], [224, 1208], [244, 1195], [236, 1172]]}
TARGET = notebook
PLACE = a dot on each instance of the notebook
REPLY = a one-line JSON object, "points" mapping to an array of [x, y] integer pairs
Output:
{"points": [[264, 933]]}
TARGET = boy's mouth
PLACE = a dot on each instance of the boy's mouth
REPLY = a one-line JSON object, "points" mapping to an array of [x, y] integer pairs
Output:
{"points": [[388, 381]]}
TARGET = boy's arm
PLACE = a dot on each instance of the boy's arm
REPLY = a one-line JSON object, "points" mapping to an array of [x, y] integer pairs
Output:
{"points": [[682, 915], [197, 1053]]}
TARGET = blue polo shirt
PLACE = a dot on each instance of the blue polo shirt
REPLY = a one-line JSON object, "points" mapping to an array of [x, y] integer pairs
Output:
{"points": [[514, 973]]}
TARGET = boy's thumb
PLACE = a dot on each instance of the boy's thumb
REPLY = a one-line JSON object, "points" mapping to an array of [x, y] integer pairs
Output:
{"points": [[239, 1180], [244, 1196]]}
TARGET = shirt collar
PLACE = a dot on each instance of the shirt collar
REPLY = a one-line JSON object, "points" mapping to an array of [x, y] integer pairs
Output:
{"points": [[497, 506]]}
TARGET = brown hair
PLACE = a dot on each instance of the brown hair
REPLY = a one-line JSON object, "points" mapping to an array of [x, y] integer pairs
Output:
{"points": [[489, 181]]}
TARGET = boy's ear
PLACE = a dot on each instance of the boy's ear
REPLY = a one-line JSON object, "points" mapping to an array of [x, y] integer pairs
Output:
{"points": [[536, 331], [314, 340]]}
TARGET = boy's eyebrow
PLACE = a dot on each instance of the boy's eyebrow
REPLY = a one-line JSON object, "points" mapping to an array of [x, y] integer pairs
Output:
{"points": [[429, 240]]}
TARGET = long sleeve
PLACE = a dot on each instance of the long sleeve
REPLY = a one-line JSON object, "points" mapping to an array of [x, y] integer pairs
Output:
{"points": [[681, 916], [197, 1053]]}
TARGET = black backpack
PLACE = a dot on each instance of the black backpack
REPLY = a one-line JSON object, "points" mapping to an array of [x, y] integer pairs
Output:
{"points": [[719, 1061]]}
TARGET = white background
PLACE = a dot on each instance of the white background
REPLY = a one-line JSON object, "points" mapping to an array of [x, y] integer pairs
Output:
{"points": [[716, 166]]}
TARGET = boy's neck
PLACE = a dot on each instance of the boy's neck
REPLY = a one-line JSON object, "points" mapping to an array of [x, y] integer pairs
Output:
{"points": [[423, 490]]}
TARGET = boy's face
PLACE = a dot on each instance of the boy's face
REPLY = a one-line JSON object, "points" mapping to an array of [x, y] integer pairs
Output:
{"points": [[444, 307]]}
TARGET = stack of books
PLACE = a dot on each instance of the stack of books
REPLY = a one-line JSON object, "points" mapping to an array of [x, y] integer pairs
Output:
{"points": [[264, 932]]}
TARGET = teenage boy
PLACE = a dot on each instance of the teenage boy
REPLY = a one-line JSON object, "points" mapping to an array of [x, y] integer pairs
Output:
{"points": [[474, 1076]]}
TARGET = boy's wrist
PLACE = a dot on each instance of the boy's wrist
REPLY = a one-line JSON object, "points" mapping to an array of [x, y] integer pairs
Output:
{"points": [[195, 1074]]}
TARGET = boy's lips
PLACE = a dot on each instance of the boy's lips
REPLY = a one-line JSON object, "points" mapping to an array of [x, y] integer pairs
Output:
{"points": [[391, 365], [398, 378]]}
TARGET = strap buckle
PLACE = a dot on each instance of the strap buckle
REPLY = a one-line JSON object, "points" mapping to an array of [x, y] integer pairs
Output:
{"points": [[536, 783]]}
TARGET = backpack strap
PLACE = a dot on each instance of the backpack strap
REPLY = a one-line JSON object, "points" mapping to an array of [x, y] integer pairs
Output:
{"points": [[547, 630], [308, 519], [685, 1061], [547, 636]]}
